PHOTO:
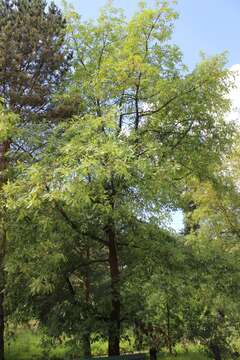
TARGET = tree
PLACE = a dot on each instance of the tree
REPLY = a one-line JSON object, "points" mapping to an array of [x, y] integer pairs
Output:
{"points": [[32, 62], [152, 127], [213, 319], [8, 121], [213, 225], [157, 288]]}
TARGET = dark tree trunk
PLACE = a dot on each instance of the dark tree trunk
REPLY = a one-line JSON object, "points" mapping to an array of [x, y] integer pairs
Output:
{"points": [[153, 353], [87, 336], [139, 342], [169, 338], [4, 147], [138, 337], [87, 346], [114, 326], [216, 351]]}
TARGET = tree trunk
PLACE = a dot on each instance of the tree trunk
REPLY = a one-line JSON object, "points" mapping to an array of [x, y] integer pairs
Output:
{"points": [[86, 346], [169, 339], [153, 353], [216, 351], [114, 327], [138, 337], [87, 336], [4, 147]]}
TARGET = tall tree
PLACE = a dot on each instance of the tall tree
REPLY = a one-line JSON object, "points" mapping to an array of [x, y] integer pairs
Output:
{"points": [[214, 233], [145, 126], [32, 63], [8, 122]]}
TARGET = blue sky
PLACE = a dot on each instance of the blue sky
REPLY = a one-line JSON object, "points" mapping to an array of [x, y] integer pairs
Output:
{"points": [[208, 25]]}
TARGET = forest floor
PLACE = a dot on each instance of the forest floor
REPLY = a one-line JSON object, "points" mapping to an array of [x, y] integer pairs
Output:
{"points": [[27, 346]]}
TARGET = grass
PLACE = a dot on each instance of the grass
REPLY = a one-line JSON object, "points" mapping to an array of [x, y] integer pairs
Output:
{"points": [[27, 346], [187, 356], [193, 352]]}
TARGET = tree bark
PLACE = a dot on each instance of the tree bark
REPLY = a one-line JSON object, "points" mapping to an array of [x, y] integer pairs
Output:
{"points": [[87, 336], [153, 353], [216, 351], [169, 339], [86, 346], [138, 337], [4, 147], [114, 326]]}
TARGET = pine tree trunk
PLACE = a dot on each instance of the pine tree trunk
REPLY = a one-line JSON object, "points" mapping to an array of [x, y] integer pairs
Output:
{"points": [[4, 147], [114, 328]]}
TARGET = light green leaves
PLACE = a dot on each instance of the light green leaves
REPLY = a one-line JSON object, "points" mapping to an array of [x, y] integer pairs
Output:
{"points": [[8, 123]]}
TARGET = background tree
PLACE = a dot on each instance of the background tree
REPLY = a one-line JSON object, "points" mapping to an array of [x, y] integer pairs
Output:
{"points": [[32, 64], [215, 241], [8, 122]]}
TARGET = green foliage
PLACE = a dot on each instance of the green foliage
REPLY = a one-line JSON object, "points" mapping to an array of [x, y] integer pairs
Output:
{"points": [[27, 345], [88, 211], [213, 234], [32, 56], [8, 123]]}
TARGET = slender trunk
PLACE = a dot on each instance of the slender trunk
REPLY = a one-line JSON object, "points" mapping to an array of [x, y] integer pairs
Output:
{"points": [[114, 328], [216, 351], [4, 147], [153, 353], [87, 336], [137, 114], [138, 337], [169, 340], [86, 346]]}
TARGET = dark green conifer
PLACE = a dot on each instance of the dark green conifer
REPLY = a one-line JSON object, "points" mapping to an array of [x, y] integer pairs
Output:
{"points": [[33, 61]]}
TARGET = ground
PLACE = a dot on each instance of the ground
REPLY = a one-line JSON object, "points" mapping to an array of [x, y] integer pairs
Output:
{"points": [[27, 346]]}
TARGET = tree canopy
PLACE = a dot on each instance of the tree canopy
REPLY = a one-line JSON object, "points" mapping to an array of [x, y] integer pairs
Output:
{"points": [[138, 136]]}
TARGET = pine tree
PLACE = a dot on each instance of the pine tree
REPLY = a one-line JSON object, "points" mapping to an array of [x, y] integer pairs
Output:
{"points": [[33, 61]]}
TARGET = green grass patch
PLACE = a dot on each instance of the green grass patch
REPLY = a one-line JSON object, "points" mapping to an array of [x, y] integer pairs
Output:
{"points": [[27, 345], [186, 356]]}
